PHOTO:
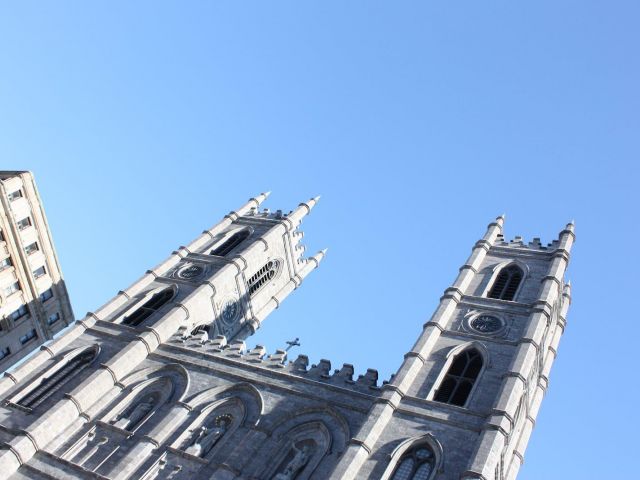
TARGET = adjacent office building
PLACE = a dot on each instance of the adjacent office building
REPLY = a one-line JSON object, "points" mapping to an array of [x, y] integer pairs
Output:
{"points": [[34, 304]]}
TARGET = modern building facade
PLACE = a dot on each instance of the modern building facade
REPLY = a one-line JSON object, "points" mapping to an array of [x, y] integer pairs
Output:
{"points": [[34, 304], [158, 384]]}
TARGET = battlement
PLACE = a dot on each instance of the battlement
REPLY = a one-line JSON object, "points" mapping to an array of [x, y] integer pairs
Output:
{"points": [[258, 357], [519, 242]]}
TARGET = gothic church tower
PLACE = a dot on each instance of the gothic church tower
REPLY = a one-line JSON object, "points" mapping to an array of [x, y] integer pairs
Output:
{"points": [[158, 383]]}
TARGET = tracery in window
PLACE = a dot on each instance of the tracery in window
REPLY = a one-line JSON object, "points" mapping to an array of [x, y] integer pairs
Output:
{"points": [[230, 243], [458, 382], [263, 276], [506, 284], [51, 383], [415, 464], [149, 307]]}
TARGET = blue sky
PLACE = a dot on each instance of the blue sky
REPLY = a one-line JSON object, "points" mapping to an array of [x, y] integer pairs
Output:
{"points": [[418, 124]]}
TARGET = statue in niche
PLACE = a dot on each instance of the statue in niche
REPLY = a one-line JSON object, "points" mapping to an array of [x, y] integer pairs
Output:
{"points": [[296, 464], [208, 437], [132, 416]]}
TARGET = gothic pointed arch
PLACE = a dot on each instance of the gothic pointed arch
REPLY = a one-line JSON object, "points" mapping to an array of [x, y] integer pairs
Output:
{"points": [[145, 392], [299, 443], [230, 242], [417, 458], [506, 280], [460, 374], [152, 302], [53, 379]]}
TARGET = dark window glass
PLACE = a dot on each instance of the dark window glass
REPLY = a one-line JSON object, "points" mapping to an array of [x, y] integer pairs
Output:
{"points": [[50, 384], [24, 223], [46, 295], [229, 244], [5, 263], [460, 377], [39, 272], [32, 247], [19, 313], [415, 464], [27, 337], [149, 307], [507, 283], [5, 352], [53, 318], [15, 195]]}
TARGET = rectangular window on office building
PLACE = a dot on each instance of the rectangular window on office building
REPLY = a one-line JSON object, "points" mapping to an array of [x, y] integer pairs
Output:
{"points": [[15, 195], [53, 318], [19, 313], [6, 263], [4, 352], [27, 337], [39, 272], [13, 288], [31, 248], [24, 223], [46, 295]]}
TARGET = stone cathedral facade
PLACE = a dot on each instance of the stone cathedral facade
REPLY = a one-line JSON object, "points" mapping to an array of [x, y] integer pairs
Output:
{"points": [[157, 384]]}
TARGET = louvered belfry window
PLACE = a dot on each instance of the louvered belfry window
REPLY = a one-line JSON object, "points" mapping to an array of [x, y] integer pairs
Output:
{"points": [[416, 464], [459, 380], [229, 244], [149, 307], [262, 276], [52, 383], [507, 283]]}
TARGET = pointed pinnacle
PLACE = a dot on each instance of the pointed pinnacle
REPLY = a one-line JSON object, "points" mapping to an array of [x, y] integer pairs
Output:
{"points": [[319, 256], [260, 198]]}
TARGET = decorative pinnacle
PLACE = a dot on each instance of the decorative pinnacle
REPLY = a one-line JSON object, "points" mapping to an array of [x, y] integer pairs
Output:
{"points": [[319, 256], [260, 198], [571, 227], [303, 209], [567, 289], [311, 203]]}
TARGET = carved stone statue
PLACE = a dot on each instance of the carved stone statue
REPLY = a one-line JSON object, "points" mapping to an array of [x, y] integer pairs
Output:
{"points": [[133, 416], [296, 464], [208, 437]]}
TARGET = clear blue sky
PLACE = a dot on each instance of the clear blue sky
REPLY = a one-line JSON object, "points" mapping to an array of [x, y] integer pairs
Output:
{"points": [[418, 124]]}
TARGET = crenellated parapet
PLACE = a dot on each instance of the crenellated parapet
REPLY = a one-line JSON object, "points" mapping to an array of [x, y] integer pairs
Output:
{"points": [[520, 242], [258, 357]]}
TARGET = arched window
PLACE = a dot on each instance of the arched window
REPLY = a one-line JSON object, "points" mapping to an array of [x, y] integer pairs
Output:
{"points": [[459, 380], [149, 307], [53, 382], [230, 243], [416, 463], [507, 283], [262, 276]]}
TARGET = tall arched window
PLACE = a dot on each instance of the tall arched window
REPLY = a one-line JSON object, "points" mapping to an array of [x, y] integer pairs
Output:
{"points": [[459, 380], [230, 243], [149, 307], [262, 276], [416, 463], [507, 283], [56, 379]]}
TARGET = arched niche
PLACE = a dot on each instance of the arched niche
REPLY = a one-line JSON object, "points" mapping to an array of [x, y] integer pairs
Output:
{"points": [[297, 443], [145, 392]]}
